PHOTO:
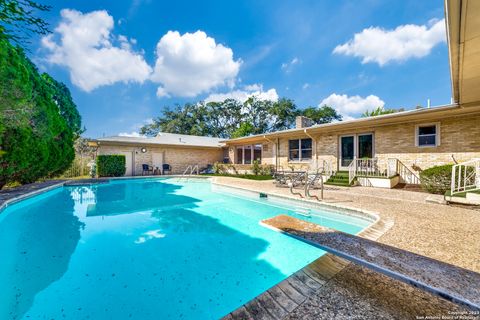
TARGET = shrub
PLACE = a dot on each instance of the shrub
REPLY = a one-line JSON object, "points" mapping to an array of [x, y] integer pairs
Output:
{"points": [[256, 168], [219, 168], [437, 179], [111, 165]]}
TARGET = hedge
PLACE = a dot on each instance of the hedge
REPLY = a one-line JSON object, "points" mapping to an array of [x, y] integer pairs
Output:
{"points": [[111, 165], [437, 179]]}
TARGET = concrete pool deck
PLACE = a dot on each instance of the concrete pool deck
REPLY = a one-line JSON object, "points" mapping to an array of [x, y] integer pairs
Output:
{"points": [[445, 233]]}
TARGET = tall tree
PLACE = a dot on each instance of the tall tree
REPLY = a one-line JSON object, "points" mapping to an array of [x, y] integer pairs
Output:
{"points": [[38, 120], [379, 111], [324, 114], [19, 20]]}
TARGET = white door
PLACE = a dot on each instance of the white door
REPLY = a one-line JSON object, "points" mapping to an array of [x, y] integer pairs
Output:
{"points": [[128, 163], [157, 160]]}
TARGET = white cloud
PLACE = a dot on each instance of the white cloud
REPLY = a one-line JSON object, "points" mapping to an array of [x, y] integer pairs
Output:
{"points": [[192, 63], [83, 43], [130, 134], [349, 107], [288, 66], [248, 91], [404, 42], [306, 86]]}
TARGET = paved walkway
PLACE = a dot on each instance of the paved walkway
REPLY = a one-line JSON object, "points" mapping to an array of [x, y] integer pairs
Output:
{"points": [[448, 281], [19, 192]]}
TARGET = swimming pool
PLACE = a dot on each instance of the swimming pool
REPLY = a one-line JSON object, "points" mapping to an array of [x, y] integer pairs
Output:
{"points": [[146, 249]]}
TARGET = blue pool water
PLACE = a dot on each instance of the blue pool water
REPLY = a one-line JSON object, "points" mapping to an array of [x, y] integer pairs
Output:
{"points": [[145, 249]]}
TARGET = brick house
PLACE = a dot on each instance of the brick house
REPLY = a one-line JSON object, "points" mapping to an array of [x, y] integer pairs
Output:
{"points": [[403, 143], [177, 150]]}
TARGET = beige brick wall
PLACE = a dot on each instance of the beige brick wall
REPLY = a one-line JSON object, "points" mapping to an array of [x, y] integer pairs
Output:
{"points": [[459, 136], [178, 158]]}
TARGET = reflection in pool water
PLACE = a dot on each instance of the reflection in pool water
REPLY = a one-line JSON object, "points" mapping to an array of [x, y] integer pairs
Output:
{"points": [[142, 249]]}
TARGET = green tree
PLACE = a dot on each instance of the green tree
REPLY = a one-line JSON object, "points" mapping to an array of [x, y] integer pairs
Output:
{"points": [[63, 99], [232, 118], [245, 129], [18, 20], [37, 125], [379, 111], [324, 114]]}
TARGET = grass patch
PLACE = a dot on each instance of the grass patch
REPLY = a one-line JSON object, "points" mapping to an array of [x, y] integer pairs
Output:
{"points": [[241, 176], [461, 194]]}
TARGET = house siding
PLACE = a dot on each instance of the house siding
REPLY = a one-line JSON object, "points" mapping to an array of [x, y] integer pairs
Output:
{"points": [[459, 140], [178, 158]]}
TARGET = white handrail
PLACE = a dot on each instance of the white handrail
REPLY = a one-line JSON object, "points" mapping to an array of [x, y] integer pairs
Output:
{"points": [[465, 176], [395, 167]]}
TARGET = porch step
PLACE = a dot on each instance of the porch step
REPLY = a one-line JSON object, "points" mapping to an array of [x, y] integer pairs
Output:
{"points": [[408, 186], [340, 178]]}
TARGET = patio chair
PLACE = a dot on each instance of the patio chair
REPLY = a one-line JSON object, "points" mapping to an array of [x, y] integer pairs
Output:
{"points": [[166, 168], [146, 169], [280, 178], [207, 170]]}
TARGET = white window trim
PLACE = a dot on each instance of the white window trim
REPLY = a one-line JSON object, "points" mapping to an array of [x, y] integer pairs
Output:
{"points": [[437, 134], [300, 160]]}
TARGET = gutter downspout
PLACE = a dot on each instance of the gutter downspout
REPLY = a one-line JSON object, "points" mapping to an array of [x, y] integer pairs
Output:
{"points": [[314, 148]]}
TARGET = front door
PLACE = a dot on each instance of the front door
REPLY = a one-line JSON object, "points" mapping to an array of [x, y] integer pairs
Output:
{"points": [[347, 151], [129, 171], [365, 146], [352, 147]]}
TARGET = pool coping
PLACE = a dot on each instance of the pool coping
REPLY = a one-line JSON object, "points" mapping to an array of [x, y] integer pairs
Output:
{"points": [[297, 288]]}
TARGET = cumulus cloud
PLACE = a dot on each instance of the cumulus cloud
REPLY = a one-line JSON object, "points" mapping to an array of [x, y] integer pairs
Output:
{"points": [[130, 134], [255, 90], [352, 106], [192, 63], [85, 45], [404, 42], [288, 66]]}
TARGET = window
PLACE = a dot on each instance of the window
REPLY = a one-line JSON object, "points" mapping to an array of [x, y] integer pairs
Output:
{"points": [[427, 136], [246, 154], [300, 149]]}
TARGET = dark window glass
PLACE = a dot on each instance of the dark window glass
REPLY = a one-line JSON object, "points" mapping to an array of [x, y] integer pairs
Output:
{"points": [[306, 154], [427, 140], [427, 135], [294, 155], [239, 155], [248, 155], [365, 146], [293, 144], [427, 130], [306, 143], [257, 152], [347, 150]]}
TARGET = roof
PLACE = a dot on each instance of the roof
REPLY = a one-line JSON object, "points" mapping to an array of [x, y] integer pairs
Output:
{"points": [[463, 33], [163, 138], [424, 114]]}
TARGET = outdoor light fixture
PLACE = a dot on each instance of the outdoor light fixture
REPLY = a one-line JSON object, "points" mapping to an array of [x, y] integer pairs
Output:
{"points": [[143, 150]]}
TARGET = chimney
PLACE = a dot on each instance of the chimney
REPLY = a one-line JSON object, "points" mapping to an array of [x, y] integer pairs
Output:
{"points": [[303, 122]]}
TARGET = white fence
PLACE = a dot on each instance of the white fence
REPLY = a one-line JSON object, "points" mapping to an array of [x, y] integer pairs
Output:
{"points": [[466, 176]]}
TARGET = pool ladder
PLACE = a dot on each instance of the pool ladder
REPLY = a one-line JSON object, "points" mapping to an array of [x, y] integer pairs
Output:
{"points": [[309, 182]]}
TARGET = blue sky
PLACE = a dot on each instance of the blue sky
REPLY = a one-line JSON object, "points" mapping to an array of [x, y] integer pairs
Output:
{"points": [[124, 61]]}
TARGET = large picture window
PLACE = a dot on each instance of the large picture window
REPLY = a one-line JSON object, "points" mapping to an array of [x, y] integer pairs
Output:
{"points": [[248, 153], [300, 149], [427, 135]]}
